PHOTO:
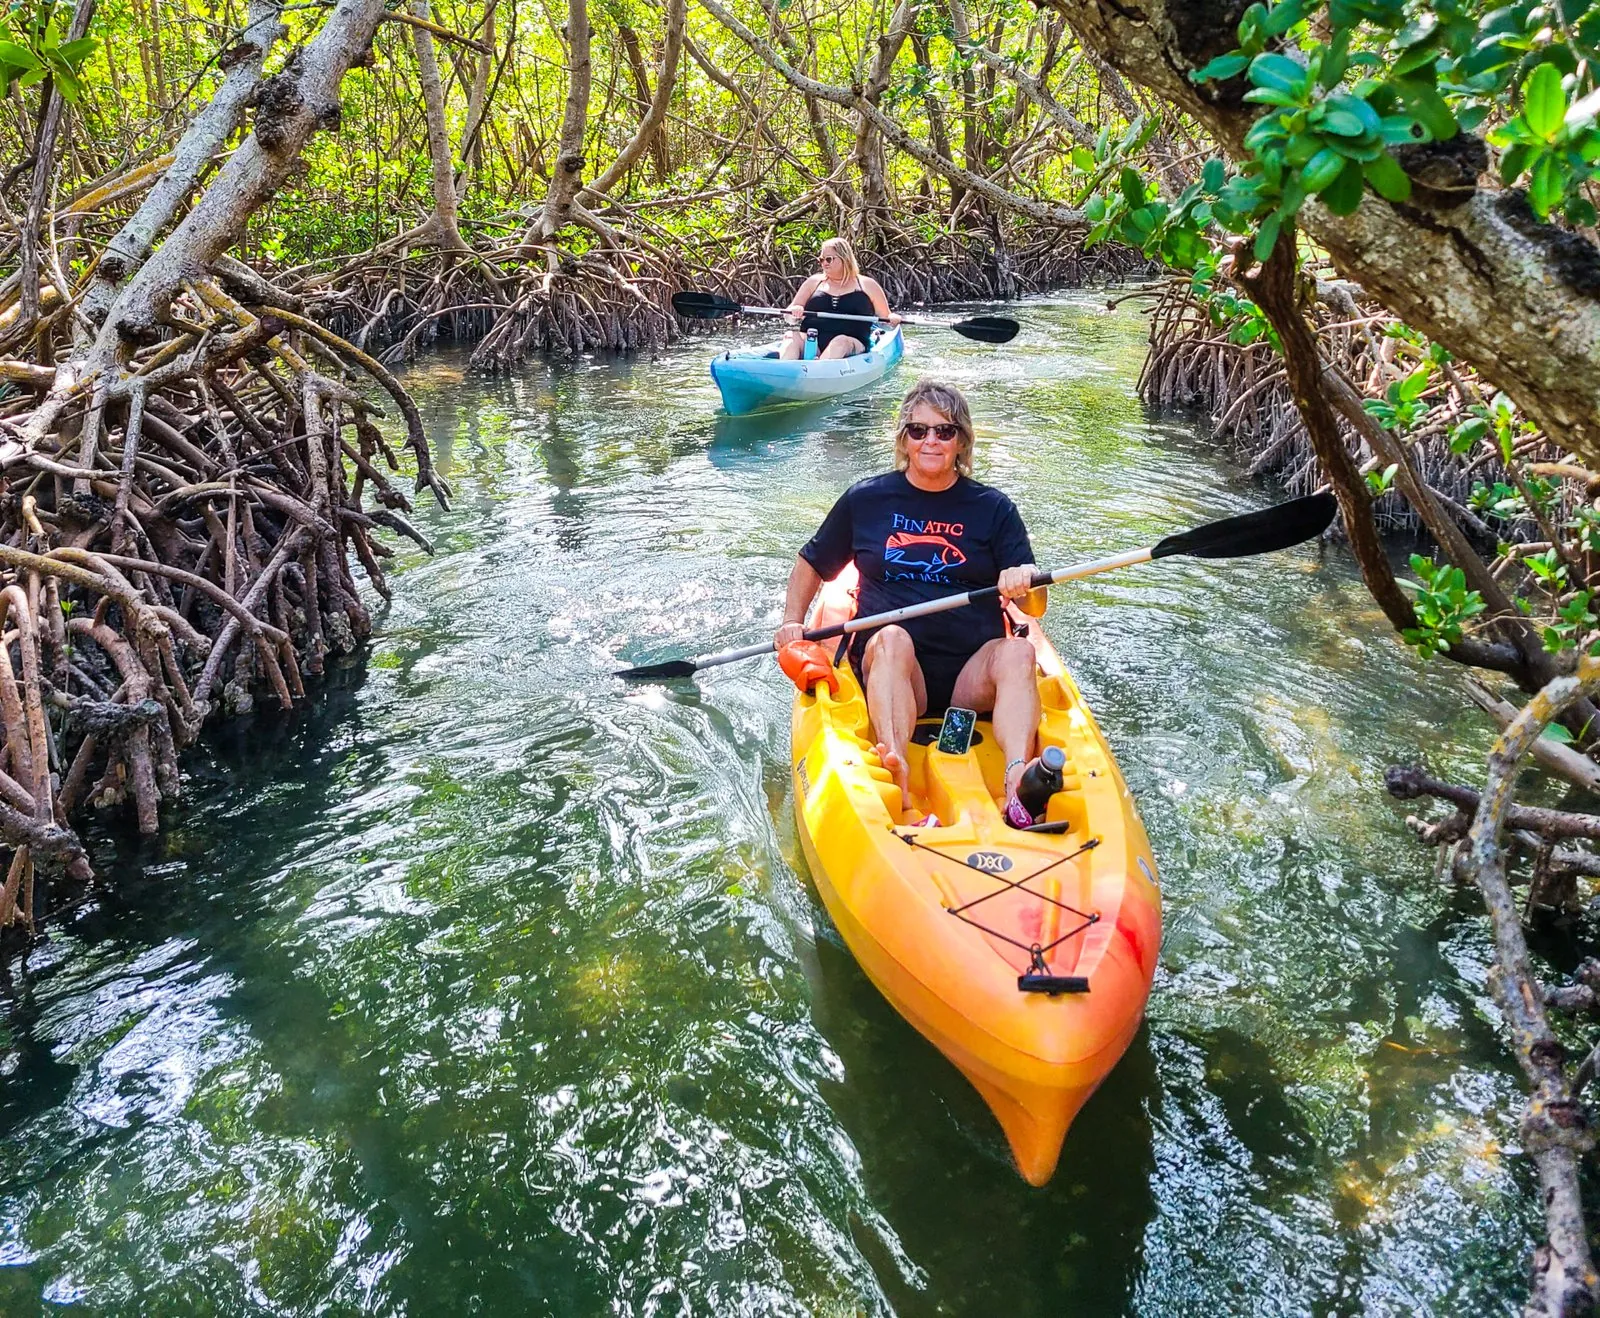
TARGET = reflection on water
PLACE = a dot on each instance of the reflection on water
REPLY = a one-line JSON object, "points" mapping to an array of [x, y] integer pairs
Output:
{"points": [[490, 986]]}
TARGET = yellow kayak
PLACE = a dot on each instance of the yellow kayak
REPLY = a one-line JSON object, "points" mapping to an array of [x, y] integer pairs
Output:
{"points": [[1024, 957]]}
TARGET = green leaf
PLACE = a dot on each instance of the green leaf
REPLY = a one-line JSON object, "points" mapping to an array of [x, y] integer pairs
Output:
{"points": [[1401, 128], [1343, 123], [1371, 122], [1336, 61], [1428, 108], [1082, 158], [1513, 161], [1468, 433], [1322, 170], [1132, 187], [1094, 210], [1411, 388], [1544, 102], [1267, 239], [1302, 146], [1224, 66], [19, 57], [1580, 211], [1280, 73], [1343, 195], [1388, 180], [1284, 16], [1418, 57], [1546, 183], [1214, 175], [75, 52]]}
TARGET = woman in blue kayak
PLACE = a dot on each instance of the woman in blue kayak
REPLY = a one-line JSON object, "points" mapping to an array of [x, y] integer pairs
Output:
{"points": [[920, 532], [838, 287]]}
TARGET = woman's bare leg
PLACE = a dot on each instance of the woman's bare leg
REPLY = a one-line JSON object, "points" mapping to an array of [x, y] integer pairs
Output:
{"points": [[843, 346], [794, 346], [896, 695], [1001, 677]]}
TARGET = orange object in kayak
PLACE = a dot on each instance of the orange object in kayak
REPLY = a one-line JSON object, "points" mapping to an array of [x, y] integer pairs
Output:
{"points": [[1024, 957], [805, 663]]}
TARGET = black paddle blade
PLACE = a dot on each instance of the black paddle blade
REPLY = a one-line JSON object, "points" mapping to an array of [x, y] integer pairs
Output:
{"points": [[703, 306], [987, 329], [659, 672], [1270, 529]]}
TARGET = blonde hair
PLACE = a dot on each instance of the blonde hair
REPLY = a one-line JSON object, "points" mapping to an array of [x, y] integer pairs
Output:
{"points": [[946, 399], [841, 248]]}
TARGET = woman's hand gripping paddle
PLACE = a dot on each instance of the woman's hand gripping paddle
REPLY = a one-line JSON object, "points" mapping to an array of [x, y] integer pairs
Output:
{"points": [[1261, 532], [708, 306]]}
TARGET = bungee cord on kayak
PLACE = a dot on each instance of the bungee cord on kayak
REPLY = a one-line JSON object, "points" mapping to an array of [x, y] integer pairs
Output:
{"points": [[1038, 978]]}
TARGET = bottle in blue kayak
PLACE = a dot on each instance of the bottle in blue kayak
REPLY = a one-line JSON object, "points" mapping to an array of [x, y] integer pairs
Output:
{"points": [[811, 345]]}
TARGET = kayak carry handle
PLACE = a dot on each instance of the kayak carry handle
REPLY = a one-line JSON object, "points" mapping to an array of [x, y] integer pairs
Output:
{"points": [[1054, 985]]}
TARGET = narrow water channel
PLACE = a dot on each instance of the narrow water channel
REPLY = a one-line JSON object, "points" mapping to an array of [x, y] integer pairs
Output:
{"points": [[489, 986]]}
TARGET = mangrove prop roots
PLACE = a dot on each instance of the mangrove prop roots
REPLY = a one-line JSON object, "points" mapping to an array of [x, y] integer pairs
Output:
{"points": [[617, 298], [1556, 1128], [180, 549], [1213, 355]]}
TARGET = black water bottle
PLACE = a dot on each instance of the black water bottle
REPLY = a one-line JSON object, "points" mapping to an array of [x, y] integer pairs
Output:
{"points": [[1041, 780]]}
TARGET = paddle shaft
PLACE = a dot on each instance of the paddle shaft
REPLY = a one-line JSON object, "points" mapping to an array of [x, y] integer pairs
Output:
{"points": [[839, 315], [941, 605]]}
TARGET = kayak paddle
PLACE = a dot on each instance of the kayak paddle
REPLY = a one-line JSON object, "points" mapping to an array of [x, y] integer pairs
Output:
{"points": [[1263, 532], [708, 306]]}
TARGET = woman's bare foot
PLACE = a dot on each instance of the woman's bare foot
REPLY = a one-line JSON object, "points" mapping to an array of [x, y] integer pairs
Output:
{"points": [[1012, 809], [892, 761]]}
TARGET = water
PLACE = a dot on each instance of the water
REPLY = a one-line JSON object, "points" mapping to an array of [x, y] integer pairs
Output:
{"points": [[489, 986]]}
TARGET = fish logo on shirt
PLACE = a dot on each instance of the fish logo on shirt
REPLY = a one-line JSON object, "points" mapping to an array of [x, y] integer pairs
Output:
{"points": [[920, 557]]}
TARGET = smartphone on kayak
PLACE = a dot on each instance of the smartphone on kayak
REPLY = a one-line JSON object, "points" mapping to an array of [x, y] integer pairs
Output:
{"points": [[955, 733]]}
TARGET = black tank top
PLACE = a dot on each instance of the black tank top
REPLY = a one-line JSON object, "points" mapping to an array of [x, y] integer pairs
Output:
{"points": [[854, 303]]}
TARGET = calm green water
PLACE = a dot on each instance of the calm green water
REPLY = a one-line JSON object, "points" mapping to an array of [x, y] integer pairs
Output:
{"points": [[491, 987]]}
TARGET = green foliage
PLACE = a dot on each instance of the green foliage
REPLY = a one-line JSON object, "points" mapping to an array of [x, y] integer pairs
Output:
{"points": [[33, 48], [1380, 482], [1443, 606], [1553, 143], [1548, 568], [1500, 499], [1401, 406], [1576, 618], [1373, 74]]}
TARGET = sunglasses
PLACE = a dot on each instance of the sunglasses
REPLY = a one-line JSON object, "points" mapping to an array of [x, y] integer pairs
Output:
{"points": [[945, 432]]}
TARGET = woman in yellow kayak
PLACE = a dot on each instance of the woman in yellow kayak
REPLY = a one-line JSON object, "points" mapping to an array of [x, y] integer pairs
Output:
{"points": [[839, 287], [919, 532]]}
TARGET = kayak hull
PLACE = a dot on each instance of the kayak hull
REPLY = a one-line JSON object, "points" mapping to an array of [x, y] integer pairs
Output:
{"points": [[892, 890], [755, 379]]}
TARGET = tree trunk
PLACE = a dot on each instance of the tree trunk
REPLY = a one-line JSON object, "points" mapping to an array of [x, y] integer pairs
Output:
{"points": [[568, 171], [650, 133], [814, 114], [443, 226], [641, 84], [201, 141], [850, 99], [52, 120], [290, 107], [938, 132], [869, 142]]}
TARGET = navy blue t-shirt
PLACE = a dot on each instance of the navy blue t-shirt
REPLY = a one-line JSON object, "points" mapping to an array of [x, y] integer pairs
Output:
{"points": [[912, 545]]}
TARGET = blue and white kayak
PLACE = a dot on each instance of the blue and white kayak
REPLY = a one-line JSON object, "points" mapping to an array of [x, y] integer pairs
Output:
{"points": [[757, 378]]}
